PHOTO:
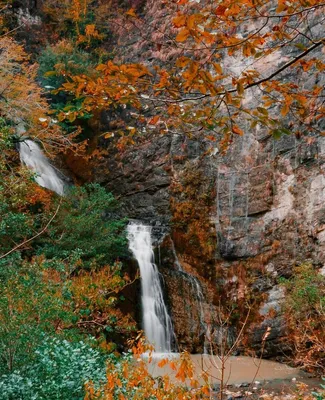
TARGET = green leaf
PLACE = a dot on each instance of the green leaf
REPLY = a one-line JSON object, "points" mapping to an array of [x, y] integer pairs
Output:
{"points": [[276, 133], [263, 111]]}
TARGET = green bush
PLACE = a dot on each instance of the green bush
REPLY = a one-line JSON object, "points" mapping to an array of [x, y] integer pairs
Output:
{"points": [[30, 304], [87, 222], [57, 62], [305, 291], [59, 371], [304, 309]]}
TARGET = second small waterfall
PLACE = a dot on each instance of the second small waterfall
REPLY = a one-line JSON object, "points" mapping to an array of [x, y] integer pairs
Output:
{"points": [[156, 320], [31, 155]]}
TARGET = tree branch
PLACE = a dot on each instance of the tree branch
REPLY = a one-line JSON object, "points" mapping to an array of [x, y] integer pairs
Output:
{"points": [[287, 65], [257, 83], [34, 237]]}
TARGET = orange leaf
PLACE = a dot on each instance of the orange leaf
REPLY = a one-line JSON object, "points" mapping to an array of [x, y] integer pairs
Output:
{"points": [[237, 130], [285, 110], [240, 88], [154, 120], [172, 366], [182, 62], [206, 390], [220, 10], [179, 21], [163, 362], [183, 35], [190, 23], [131, 12]]}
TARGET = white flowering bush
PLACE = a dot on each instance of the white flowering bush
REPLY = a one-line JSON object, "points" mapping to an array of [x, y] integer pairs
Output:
{"points": [[59, 371]]}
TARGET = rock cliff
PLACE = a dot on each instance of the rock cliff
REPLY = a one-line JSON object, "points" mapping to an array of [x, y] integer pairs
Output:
{"points": [[237, 221], [228, 226]]}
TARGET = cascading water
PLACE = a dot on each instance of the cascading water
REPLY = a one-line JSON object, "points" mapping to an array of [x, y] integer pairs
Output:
{"points": [[197, 289], [156, 320], [31, 155]]}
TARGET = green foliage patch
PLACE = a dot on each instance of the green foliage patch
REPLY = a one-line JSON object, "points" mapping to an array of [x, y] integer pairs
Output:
{"points": [[59, 371], [88, 223]]}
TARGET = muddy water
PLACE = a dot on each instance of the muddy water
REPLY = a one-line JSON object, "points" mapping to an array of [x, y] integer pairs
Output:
{"points": [[237, 369]]}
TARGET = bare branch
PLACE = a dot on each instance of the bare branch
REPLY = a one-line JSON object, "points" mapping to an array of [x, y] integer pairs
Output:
{"points": [[35, 236]]}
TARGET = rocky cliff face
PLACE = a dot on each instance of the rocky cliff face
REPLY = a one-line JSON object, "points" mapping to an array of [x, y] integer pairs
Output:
{"points": [[236, 222]]}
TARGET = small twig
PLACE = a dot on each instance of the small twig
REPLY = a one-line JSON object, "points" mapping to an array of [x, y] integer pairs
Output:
{"points": [[265, 336], [12, 30], [4, 8], [34, 237], [239, 335]]}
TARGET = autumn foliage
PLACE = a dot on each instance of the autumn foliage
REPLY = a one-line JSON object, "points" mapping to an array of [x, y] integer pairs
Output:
{"points": [[132, 380], [217, 69], [227, 54]]}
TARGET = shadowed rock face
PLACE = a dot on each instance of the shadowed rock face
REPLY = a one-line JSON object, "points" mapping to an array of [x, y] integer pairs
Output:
{"points": [[267, 214]]}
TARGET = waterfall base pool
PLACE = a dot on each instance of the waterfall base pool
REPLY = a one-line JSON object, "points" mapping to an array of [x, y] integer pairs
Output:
{"points": [[237, 369]]}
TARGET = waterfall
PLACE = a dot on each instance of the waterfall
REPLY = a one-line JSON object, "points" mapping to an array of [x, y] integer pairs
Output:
{"points": [[156, 320], [197, 289], [32, 156]]}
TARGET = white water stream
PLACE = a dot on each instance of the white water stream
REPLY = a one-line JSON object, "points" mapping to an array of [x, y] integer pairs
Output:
{"points": [[156, 320], [32, 156], [197, 289]]}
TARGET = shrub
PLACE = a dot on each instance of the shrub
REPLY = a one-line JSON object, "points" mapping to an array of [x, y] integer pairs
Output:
{"points": [[59, 61], [31, 303], [87, 222], [304, 309], [59, 371]]}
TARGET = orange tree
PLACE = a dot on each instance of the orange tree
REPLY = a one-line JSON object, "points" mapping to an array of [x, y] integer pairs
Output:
{"points": [[131, 379], [235, 59], [23, 106]]}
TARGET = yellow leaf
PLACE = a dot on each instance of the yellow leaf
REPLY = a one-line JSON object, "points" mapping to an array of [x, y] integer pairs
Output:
{"points": [[281, 6], [218, 68], [50, 73], [228, 98]]}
